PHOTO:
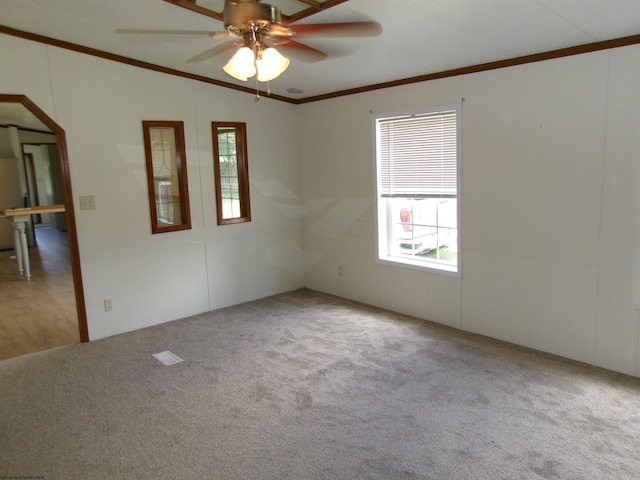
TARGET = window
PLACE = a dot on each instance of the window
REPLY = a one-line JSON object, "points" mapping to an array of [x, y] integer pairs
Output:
{"points": [[231, 172], [417, 190], [167, 176]]}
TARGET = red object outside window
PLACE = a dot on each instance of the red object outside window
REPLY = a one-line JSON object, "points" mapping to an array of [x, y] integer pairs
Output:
{"points": [[406, 217]]}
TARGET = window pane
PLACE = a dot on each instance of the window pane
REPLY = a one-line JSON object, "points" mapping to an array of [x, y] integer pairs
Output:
{"points": [[422, 226], [231, 172], [167, 176]]}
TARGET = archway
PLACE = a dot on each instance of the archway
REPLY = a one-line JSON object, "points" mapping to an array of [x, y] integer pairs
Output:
{"points": [[24, 108]]}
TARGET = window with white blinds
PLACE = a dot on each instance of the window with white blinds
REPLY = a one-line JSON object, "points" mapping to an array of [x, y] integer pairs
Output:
{"points": [[418, 155], [418, 202]]}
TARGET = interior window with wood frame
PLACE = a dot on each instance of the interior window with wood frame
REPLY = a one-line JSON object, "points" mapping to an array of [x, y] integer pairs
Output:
{"points": [[167, 175], [231, 172]]}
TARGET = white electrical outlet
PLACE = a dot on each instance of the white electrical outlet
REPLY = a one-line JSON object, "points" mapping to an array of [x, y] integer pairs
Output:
{"points": [[340, 271], [108, 305], [87, 202]]}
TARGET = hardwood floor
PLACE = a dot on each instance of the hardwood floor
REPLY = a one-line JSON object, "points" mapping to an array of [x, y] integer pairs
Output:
{"points": [[40, 313]]}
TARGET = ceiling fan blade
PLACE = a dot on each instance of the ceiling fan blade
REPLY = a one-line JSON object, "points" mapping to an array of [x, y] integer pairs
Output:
{"points": [[346, 29], [212, 52], [136, 31], [217, 35], [301, 52]]}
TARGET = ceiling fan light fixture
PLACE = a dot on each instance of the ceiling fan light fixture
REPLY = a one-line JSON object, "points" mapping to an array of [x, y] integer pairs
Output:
{"points": [[271, 65], [259, 28], [241, 65], [269, 62]]}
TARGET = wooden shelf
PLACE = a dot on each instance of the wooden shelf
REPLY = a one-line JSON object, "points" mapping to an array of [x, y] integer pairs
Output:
{"points": [[13, 212]]}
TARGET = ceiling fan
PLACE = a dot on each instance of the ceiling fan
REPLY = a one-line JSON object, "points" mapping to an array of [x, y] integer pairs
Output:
{"points": [[257, 28]]}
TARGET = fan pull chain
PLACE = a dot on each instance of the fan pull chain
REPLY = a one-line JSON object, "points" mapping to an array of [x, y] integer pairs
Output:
{"points": [[255, 64], [256, 52]]}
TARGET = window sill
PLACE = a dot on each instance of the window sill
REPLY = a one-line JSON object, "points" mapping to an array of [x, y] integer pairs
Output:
{"points": [[427, 267]]}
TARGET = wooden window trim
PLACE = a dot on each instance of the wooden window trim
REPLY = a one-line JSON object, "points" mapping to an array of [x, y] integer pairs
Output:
{"points": [[243, 172], [181, 163]]}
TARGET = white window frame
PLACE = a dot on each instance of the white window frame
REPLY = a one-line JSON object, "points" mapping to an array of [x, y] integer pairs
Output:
{"points": [[384, 251]]}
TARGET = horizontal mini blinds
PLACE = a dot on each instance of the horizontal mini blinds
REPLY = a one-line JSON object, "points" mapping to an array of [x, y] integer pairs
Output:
{"points": [[418, 155]]}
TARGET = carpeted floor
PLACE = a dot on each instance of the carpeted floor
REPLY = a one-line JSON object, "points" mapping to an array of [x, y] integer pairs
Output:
{"points": [[308, 386]]}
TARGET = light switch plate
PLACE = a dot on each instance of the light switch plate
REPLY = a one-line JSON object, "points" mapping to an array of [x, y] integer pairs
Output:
{"points": [[87, 202]]}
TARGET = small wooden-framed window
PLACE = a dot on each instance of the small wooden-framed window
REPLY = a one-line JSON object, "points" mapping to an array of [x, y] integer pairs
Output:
{"points": [[167, 175], [231, 171]]}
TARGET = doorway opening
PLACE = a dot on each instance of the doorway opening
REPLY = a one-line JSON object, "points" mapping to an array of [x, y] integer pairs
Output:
{"points": [[57, 237]]}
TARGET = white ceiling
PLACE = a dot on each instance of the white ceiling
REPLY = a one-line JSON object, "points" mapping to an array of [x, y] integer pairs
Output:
{"points": [[18, 115], [419, 37]]}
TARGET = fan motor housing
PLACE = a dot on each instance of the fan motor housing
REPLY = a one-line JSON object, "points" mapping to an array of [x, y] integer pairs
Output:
{"points": [[242, 16]]}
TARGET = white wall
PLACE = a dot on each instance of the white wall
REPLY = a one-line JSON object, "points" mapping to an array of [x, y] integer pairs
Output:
{"points": [[157, 278], [550, 205], [550, 198]]}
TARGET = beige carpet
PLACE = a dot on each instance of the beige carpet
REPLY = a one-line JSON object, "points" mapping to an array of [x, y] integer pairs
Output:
{"points": [[307, 386]]}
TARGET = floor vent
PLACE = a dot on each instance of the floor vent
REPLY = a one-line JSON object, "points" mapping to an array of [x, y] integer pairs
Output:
{"points": [[167, 357]]}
